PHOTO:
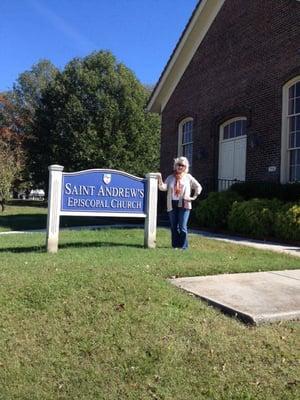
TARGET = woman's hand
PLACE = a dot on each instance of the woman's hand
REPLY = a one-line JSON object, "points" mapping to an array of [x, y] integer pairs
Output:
{"points": [[159, 177], [192, 198]]}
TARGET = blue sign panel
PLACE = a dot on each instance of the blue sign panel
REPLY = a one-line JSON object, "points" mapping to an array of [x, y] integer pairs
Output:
{"points": [[103, 191]]}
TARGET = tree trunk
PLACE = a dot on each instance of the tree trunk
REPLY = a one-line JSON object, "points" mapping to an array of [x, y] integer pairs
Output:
{"points": [[2, 203]]}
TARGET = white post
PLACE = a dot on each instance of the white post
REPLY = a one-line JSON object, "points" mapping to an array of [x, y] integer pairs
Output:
{"points": [[151, 211], [54, 200]]}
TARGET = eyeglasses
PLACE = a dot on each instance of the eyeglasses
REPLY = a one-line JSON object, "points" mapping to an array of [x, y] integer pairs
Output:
{"points": [[180, 165]]}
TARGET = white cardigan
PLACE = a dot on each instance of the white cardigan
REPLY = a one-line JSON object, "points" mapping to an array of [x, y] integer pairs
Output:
{"points": [[189, 183]]}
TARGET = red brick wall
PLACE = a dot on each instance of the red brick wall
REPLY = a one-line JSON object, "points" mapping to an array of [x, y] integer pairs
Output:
{"points": [[250, 51]]}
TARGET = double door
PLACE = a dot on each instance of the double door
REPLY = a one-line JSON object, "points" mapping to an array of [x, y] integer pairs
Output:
{"points": [[232, 161]]}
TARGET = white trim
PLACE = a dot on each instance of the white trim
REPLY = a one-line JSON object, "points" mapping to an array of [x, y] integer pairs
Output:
{"points": [[179, 135], [284, 165], [101, 214], [228, 122], [199, 25], [151, 211], [105, 170], [232, 139], [224, 141], [54, 200]]}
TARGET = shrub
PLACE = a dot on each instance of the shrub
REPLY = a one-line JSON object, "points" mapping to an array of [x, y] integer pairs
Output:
{"points": [[255, 217], [287, 222], [268, 190], [213, 211]]}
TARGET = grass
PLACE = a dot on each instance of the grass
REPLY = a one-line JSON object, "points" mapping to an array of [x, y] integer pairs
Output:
{"points": [[22, 215], [99, 320]]}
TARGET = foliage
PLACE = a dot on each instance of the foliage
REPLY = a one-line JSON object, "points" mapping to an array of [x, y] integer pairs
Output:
{"points": [[149, 88], [12, 157], [9, 169], [28, 90], [213, 211], [10, 122], [287, 222], [93, 116], [18, 107], [260, 218], [254, 217], [268, 190]]}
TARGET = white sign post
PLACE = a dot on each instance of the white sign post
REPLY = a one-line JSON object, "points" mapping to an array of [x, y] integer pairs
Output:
{"points": [[151, 211], [54, 201], [91, 195]]}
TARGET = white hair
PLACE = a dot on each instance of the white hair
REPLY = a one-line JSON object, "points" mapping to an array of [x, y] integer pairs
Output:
{"points": [[182, 160]]}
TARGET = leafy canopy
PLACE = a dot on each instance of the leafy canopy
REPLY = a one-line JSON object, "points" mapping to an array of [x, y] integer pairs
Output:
{"points": [[9, 169], [92, 115], [17, 113]]}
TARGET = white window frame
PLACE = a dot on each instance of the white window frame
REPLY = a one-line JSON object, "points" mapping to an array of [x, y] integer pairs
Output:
{"points": [[285, 152], [180, 133], [228, 122], [225, 184]]}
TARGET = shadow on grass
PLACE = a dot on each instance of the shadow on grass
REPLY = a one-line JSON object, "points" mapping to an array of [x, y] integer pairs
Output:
{"points": [[21, 222], [74, 245]]}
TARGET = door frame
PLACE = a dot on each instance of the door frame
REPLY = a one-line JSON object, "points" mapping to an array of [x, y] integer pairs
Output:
{"points": [[233, 139]]}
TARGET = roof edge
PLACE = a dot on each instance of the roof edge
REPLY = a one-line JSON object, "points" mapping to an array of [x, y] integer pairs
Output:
{"points": [[189, 41]]}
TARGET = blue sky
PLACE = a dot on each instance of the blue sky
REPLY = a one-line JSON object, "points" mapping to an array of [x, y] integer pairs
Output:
{"points": [[140, 33]]}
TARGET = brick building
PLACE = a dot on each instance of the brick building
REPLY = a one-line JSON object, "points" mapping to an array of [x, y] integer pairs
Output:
{"points": [[229, 96]]}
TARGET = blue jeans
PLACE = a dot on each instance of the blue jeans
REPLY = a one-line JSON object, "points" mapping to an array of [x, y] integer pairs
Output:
{"points": [[179, 217]]}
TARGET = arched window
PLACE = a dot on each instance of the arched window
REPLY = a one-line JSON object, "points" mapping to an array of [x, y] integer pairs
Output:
{"points": [[290, 145], [185, 139], [232, 152], [233, 128]]}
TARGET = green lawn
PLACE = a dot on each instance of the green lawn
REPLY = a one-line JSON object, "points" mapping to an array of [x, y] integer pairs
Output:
{"points": [[26, 215], [99, 320], [17, 217]]}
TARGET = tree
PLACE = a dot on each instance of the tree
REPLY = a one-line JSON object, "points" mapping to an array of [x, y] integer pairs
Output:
{"points": [[11, 147], [149, 88], [27, 91], [10, 166], [92, 115], [18, 108], [9, 120]]}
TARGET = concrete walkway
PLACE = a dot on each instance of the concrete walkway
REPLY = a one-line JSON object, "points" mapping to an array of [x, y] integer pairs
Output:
{"points": [[262, 245], [257, 297], [258, 244]]}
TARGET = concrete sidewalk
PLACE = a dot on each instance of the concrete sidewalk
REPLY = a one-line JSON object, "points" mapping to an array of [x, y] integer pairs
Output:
{"points": [[258, 244], [256, 298]]}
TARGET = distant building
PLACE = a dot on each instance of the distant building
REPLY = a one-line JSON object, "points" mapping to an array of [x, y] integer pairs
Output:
{"points": [[229, 95]]}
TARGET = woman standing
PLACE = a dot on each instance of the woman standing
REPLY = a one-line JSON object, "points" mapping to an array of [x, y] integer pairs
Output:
{"points": [[179, 187]]}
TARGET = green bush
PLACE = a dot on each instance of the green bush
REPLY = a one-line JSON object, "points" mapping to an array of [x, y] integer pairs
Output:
{"points": [[255, 217], [213, 211], [260, 218], [289, 192], [287, 222]]}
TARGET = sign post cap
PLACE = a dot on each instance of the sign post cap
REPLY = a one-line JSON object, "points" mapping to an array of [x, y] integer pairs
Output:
{"points": [[55, 167], [152, 175]]}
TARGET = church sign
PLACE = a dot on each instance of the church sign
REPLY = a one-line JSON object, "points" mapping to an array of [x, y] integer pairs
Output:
{"points": [[103, 191], [100, 192]]}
